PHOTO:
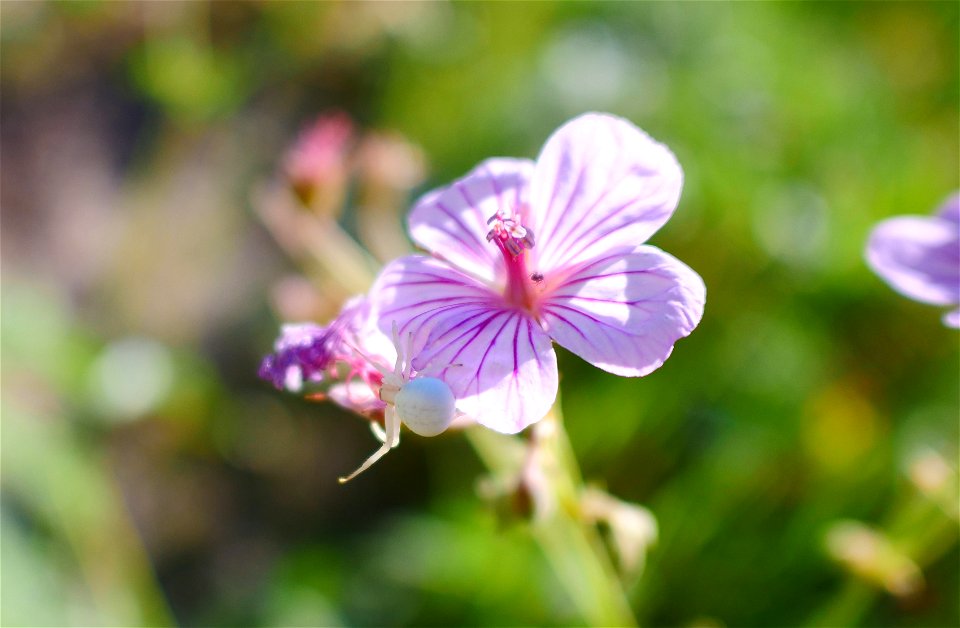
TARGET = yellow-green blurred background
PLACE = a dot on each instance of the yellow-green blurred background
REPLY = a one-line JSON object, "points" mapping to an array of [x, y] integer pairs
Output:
{"points": [[799, 450]]}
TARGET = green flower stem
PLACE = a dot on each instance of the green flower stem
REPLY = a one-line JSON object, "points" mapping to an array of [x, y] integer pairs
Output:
{"points": [[548, 471], [68, 488], [922, 530]]}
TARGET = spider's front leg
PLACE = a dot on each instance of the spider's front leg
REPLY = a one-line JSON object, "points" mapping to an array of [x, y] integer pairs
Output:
{"points": [[392, 440], [392, 421]]}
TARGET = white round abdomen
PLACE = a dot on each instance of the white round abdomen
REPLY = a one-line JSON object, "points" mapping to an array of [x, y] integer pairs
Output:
{"points": [[426, 405]]}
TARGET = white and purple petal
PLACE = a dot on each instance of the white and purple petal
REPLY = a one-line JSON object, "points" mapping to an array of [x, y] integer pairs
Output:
{"points": [[413, 291], [624, 311], [918, 257], [600, 183], [498, 362], [451, 222], [952, 319], [507, 373], [950, 209]]}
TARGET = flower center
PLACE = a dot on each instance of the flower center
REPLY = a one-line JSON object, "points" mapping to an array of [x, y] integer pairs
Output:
{"points": [[512, 238]]}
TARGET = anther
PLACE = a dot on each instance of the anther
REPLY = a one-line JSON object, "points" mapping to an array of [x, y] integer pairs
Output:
{"points": [[527, 239], [509, 234]]}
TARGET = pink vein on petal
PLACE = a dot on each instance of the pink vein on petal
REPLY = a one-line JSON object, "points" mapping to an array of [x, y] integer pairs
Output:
{"points": [[562, 244], [506, 386]]}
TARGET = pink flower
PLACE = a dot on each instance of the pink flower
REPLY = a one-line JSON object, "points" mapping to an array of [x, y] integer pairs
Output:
{"points": [[526, 253], [919, 256], [319, 157]]}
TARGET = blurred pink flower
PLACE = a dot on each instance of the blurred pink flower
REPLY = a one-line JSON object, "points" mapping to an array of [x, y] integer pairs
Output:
{"points": [[919, 256], [525, 253], [319, 157]]}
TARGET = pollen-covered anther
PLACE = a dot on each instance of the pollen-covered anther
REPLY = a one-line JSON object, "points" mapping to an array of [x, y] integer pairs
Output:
{"points": [[509, 233]]}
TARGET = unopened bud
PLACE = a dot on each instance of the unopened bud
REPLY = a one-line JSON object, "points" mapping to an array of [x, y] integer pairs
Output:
{"points": [[317, 164], [870, 555]]}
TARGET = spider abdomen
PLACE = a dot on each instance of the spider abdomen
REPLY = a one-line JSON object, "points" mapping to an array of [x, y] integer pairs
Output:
{"points": [[426, 405]]}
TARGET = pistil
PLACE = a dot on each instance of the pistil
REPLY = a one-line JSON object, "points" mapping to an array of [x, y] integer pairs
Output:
{"points": [[512, 238]]}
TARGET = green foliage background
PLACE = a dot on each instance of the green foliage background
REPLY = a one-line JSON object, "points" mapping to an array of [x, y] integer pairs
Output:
{"points": [[132, 138]]}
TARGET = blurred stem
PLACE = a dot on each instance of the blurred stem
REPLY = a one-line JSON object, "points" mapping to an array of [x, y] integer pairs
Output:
{"points": [[316, 240], [927, 533], [68, 487], [548, 469]]}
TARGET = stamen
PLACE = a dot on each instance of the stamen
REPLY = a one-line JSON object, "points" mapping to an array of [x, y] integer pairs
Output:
{"points": [[513, 238], [509, 234], [527, 239]]}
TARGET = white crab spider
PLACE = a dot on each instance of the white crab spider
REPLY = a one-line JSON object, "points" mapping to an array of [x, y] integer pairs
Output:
{"points": [[426, 405]]}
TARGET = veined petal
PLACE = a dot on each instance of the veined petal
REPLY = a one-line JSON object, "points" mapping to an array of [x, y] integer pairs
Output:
{"points": [[451, 222], [506, 376], [919, 257], [599, 183], [624, 311], [413, 291], [498, 362]]}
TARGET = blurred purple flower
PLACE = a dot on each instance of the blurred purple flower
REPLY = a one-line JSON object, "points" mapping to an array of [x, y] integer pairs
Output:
{"points": [[309, 354], [919, 256], [524, 253], [301, 353]]}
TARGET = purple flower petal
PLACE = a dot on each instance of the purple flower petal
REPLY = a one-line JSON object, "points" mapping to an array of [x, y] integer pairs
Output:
{"points": [[507, 373], [301, 353], [504, 368], [623, 312], [950, 209], [919, 257], [600, 183], [952, 319], [414, 290], [451, 222]]}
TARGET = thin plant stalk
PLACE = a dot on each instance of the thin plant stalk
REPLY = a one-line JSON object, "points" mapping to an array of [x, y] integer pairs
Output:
{"points": [[573, 547]]}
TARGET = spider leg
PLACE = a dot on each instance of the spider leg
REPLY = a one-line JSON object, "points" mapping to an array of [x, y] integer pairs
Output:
{"points": [[409, 352], [378, 431], [398, 367], [432, 371], [366, 357], [393, 439], [392, 420]]}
